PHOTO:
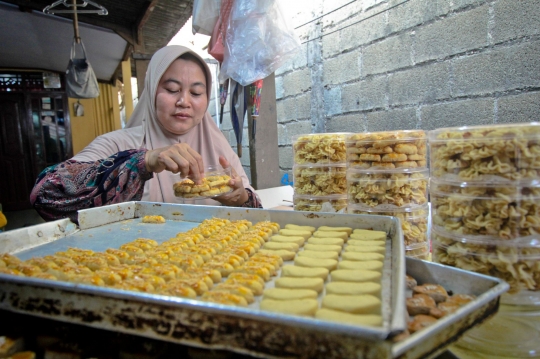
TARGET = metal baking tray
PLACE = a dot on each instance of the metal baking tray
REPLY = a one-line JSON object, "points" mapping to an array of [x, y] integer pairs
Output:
{"points": [[192, 322], [207, 325], [433, 340]]}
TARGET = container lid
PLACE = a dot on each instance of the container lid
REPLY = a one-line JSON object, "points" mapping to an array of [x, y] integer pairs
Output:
{"points": [[491, 132], [420, 211], [332, 197], [532, 241], [394, 136], [338, 136], [317, 166], [381, 171], [512, 190]]}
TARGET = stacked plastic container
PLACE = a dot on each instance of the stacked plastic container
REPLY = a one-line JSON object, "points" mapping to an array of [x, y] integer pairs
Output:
{"points": [[319, 172], [485, 205], [387, 174]]}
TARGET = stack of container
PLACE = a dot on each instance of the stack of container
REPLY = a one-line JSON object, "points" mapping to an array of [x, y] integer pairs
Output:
{"points": [[485, 204], [387, 174], [319, 172]]}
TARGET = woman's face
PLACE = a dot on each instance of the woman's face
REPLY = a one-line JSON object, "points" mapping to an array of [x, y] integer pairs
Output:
{"points": [[181, 99]]}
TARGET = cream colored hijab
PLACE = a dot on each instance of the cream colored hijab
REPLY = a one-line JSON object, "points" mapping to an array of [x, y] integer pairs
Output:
{"points": [[143, 130]]}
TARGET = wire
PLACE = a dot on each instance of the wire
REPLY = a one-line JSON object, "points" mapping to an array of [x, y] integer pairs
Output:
{"points": [[317, 18], [357, 22]]}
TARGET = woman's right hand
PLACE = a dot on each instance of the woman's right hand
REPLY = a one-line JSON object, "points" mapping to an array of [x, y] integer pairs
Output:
{"points": [[178, 158]]}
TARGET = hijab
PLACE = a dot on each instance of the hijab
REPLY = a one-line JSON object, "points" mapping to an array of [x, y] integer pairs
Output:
{"points": [[143, 130]]}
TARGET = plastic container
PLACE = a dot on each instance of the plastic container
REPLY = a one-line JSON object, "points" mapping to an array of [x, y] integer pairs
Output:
{"points": [[512, 332], [509, 152], [335, 203], [517, 264], [320, 180], [319, 148], [387, 150], [388, 189], [414, 222], [215, 183], [487, 211], [418, 250]]}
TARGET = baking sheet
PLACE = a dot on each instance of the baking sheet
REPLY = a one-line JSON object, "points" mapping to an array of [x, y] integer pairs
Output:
{"points": [[110, 226]]}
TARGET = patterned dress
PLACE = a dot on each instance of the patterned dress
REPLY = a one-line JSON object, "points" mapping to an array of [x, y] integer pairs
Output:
{"points": [[63, 189]]}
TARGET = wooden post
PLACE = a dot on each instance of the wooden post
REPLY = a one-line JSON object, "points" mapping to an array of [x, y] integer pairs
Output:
{"points": [[76, 22], [263, 151]]}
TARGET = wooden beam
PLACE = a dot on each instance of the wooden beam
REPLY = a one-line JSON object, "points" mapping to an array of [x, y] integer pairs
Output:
{"points": [[263, 150], [143, 18]]}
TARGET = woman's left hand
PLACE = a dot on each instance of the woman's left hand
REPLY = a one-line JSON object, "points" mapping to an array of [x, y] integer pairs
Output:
{"points": [[239, 195]]}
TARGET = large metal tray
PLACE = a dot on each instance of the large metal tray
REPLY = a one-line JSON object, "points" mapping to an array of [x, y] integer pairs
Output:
{"points": [[207, 325]]}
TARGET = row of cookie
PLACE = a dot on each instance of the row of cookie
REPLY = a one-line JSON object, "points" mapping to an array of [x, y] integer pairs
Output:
{"points": [[180, 266], [353, 294]]}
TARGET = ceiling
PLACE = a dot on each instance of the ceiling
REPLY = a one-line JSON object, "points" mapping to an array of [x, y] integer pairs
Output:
{"points": [[31, 39]]}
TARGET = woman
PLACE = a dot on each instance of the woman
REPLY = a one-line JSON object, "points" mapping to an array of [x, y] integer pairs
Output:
{"points": [[170, 132]]}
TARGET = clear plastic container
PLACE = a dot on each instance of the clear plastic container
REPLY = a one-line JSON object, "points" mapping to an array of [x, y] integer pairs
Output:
{"points": [[215, 183], [517, 264], [418, 250], [388, 189], [488, 211], [513, 332], [486, 153], [320, 180], [335, 203], [414, 222], [387, 150], [319, 148]]}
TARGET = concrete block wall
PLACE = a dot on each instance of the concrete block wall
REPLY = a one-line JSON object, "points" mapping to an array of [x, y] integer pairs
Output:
{"points": [[416, 64]]}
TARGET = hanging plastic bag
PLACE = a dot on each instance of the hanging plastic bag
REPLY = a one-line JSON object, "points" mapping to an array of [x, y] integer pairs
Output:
{"points": [[216, 46], [81, 80], [258, 41], [205, 15]]}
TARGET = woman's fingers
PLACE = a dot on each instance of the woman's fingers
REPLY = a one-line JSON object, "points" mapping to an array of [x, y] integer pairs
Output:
{"points": [[178, 158]]}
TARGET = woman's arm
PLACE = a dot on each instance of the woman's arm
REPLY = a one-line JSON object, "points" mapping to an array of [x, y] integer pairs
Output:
{"points": [[61, 190]]}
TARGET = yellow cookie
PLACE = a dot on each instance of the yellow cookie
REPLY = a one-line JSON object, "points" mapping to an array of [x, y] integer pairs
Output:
{"points": [[365, 249], [355, 275], [280, 245], [323, 247], [295, 232], [358, 304], [348, 318], [330, 241], [304, 272], [361, 256], [331, 234], [288, 294], [367, 234], [153, 219], [301, 228], [350, 288], [319, 254], [360, 242], [313, 283], [329, 264], [283, 253], [335, 229], [288, 239], [369, 265], [306, 307]]}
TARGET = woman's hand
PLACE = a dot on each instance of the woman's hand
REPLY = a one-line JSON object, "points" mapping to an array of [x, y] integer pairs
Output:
{"points": [[178, 158], [239, 195]]}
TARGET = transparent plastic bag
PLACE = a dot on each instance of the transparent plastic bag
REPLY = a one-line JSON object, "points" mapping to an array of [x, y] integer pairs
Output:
{"points": [[258, 41], [205, 16]]}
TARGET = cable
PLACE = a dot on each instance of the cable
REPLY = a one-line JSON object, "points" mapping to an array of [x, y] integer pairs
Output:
{"points": [[317, 18], [357, 22]]}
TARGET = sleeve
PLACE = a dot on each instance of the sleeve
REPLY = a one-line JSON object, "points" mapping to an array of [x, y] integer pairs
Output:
{"points": [[61, 190], [253, 200]]}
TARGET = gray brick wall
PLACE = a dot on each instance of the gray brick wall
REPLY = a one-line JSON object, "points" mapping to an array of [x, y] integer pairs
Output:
{"points": [[424, 64]]}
